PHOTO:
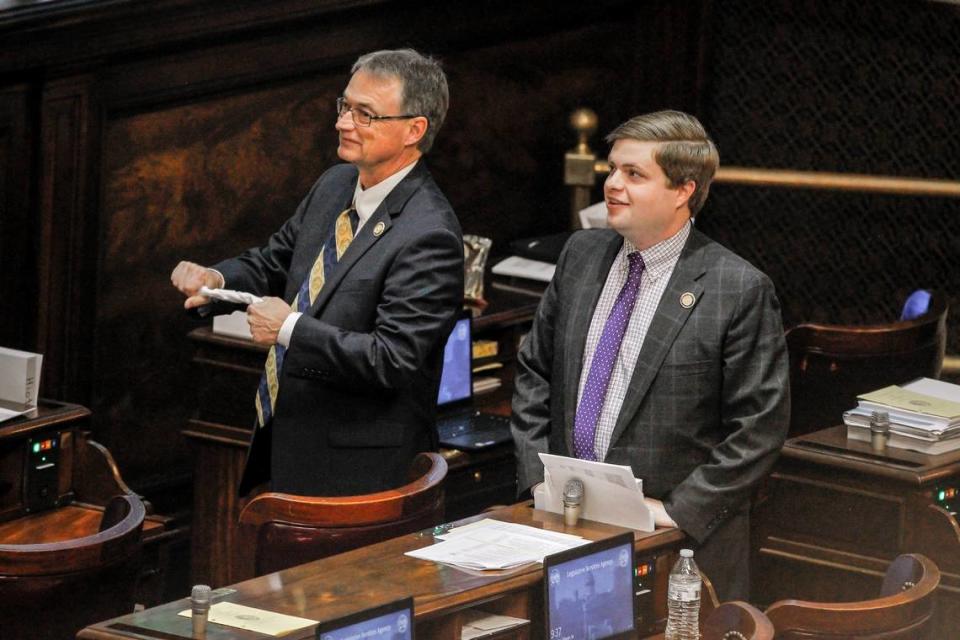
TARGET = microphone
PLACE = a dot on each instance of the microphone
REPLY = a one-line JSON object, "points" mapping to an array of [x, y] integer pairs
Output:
{"points": [[572, 500], [200, 604]]}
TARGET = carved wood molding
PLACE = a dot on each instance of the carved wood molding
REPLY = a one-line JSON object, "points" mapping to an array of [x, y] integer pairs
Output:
{"points": [[67, 236]]}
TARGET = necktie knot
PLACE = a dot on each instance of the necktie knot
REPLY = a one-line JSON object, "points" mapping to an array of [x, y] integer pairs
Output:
{"points": [[636, 262]]}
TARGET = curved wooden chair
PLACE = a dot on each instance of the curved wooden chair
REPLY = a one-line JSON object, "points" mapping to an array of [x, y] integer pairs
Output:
{"points": [[54, 589], [903, 611], [830, 365], [292, 530], [736, 620]]}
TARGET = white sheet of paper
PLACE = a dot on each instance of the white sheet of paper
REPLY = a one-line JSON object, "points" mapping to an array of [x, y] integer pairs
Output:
{"points": [[490, 545], [229, 295], [251, 619], [611, 493], [7, 414]]}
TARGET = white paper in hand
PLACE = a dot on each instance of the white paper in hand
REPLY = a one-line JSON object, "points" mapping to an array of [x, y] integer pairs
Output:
{"points": [[228, 295]]}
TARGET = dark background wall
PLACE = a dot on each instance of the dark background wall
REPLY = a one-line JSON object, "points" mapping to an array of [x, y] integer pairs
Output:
{"points": [[133, 135]]}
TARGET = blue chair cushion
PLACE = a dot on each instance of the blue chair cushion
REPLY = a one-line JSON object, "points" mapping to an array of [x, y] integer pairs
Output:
{"points": [[917, 304]]}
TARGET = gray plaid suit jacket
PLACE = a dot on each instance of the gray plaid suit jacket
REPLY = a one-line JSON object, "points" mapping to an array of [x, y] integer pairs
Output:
{"points": [[707, 409]]}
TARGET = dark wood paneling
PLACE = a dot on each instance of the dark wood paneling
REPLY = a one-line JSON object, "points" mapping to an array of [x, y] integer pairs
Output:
{"points": [[181, 129], [16, 223], [67, 237]]}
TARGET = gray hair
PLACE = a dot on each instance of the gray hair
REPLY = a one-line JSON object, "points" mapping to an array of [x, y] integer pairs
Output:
{"points": [[685, 153], [423, 85]]}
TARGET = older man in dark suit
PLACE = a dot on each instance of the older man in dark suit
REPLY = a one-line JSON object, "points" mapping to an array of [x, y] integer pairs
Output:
{"points": [[361, 287], [656, 347]]}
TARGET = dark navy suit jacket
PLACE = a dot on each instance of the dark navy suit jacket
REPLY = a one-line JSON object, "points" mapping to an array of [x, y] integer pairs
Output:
{"points": [[358, 386]]}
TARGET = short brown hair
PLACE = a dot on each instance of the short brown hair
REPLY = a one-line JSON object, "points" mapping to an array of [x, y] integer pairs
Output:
{"points": [[685, 152]]}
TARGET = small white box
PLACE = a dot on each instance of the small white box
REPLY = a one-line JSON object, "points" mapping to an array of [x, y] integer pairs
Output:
{"points": [[19, 376]]}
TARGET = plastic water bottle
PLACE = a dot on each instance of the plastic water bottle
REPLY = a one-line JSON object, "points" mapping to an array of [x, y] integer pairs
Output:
{"points": [[683, 599]]}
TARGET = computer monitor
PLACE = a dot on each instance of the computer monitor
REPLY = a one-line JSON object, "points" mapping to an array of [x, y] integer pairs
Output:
{"points": [[588, 591], [456, 378], [393, 621]]}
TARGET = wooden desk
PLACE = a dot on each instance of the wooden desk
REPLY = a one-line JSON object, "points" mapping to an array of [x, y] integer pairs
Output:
{"points": [[50, 419], [219, 433], [338, 585], [83, 480], [835, 513]]}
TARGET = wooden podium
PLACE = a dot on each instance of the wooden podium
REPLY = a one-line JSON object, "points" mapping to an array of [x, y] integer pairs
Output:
{"points": [[374, 575], [835, 513], [220, 430]]}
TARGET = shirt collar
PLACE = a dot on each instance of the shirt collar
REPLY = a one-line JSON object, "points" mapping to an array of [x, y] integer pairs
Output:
{"points": [[662, 256], [366, 201]]}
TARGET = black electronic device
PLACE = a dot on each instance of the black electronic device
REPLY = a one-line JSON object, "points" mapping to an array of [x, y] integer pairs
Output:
{"points": [[644, 579], [392, 621], [589, 591], [947, 495], [41, 472], [459, 424]]}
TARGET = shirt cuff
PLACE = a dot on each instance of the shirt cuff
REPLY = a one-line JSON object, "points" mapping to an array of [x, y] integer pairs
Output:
{"points": [[286, 330], [223, 281]]}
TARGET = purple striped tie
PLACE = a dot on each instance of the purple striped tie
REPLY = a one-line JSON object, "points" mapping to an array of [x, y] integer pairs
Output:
{"points": [[604, 358]]}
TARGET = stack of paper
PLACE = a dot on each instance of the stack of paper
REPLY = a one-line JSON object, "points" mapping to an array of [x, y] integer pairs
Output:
{"points": [[924, 415], [491, 544], [480, 624]]}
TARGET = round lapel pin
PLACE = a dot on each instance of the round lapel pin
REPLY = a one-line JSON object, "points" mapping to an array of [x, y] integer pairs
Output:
{"points": [[378, 230], [687, 300]]}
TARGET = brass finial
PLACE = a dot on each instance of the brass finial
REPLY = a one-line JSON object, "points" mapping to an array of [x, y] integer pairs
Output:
{"points": [[584, 122]]}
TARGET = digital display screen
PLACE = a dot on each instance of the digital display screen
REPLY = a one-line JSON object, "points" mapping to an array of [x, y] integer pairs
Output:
{"points": [[590, 595], [455, 379], [391, 622]]}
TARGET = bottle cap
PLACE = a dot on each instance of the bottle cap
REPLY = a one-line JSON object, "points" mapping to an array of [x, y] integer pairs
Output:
{"points": [[686, 553]]}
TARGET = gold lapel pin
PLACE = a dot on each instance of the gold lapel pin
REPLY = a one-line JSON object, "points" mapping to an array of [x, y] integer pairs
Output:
{"points": [[687, 300], [378, 230]]}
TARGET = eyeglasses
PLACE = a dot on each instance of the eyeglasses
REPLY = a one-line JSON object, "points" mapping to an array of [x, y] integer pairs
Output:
{"points": [[363, 117]]}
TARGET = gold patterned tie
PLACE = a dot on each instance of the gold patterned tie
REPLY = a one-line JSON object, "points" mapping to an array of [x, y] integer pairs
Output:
{"points": [[328, 258]]}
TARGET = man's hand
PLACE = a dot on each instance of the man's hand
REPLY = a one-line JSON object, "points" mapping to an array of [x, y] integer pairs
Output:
{"points": [[660, 516], [265, 319], [188, 277]]}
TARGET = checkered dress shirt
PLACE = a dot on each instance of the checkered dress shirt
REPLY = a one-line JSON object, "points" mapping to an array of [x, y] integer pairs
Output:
{"points": [[660, 259]]}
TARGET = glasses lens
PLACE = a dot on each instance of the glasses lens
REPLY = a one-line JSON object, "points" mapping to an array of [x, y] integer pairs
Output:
{"points": [[359, 116]]}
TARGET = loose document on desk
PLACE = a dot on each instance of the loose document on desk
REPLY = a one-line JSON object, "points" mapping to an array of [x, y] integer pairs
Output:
{"points": [[492, 544]]}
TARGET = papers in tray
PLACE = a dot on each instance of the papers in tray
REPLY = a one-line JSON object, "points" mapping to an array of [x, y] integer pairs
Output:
{"points": [[610, 492], [479, 624], [491, 544]]}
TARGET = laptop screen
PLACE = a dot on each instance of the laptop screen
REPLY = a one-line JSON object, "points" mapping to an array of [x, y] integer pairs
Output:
{"points": [[392, 621], [589, 591], [456, 377]]}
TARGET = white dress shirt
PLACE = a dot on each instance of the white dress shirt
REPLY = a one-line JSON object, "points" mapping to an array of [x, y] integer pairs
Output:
{"points": [[366, 202]]}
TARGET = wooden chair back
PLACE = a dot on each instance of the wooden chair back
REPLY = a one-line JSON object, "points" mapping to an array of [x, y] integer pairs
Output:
{"points": [[736, 620], [292, 530], [830, 365], [903, 611], [54, 589]]}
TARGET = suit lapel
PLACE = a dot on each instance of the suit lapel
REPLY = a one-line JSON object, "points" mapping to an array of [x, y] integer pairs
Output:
{"points": [[594, 278], [666, 324], [372, 231]]}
